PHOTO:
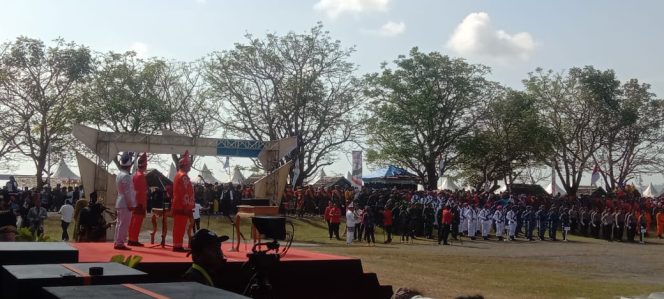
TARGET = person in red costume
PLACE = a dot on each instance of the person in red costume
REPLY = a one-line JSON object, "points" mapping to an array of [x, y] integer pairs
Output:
{"points": [[141, 190], [183, 202]]}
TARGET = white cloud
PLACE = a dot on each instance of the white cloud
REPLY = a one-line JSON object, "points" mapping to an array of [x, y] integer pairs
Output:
{"points": [[335, 8], [392, 28], [475, 37], [201, 1], [141, 49]]}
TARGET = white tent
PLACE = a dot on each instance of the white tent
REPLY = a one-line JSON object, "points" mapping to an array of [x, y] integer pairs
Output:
{"points": [[650, 191], [445, 183], [64, 172], [549, 189], [238, 178], [206, 176], [172, 172], [469, 188], [500, 190]]}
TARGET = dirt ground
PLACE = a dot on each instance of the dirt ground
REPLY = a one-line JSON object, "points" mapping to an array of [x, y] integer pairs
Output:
{"points": [[581, 268]]}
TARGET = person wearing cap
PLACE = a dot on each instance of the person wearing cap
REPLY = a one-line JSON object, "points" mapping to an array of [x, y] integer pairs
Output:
{"points": [[351, 220], [207, 258], [529, 222], [183, 202], [510, 217], [125, 203], [500, 223], [541, 217], [141, 191], [485, 221]]}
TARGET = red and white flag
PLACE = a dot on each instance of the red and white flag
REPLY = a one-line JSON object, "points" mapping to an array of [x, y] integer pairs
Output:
{"points": [[595, 176]]}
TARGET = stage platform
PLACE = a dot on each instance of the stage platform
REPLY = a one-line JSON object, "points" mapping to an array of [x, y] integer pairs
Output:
{"points": [[300, 274], [101, 252]]}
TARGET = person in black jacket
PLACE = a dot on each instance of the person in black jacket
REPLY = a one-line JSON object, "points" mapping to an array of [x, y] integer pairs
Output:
{"points": [[207, 257], [553, 223]]}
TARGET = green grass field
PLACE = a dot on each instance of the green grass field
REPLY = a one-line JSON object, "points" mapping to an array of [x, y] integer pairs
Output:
{"points": [[581, 268]]}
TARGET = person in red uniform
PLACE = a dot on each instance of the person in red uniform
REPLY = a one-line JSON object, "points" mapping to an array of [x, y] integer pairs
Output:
{"points": [[335, 220], [183, 202], [445, 225], [141, 190]]}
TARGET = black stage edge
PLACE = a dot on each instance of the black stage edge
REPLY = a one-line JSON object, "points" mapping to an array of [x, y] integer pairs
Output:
{"points": [[323, 279], [26, 281], [170, 290], [30, 253]]}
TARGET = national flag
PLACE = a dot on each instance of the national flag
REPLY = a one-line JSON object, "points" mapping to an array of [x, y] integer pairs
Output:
{"points": [[595, 176], [227, 163]]}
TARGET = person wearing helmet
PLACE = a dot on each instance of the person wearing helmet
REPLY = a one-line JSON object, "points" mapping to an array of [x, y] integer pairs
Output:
{"points": [[126, 201]]}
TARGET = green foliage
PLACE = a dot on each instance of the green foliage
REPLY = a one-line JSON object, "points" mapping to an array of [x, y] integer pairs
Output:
{"points": [[25, 235], [422, 108], [130, 261], [39, 91], [292, 85]]}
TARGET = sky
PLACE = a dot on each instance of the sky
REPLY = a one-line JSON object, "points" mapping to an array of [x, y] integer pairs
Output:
{"points": [[512, 37]]}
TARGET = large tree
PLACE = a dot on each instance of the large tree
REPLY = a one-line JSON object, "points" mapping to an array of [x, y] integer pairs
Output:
{"points": [[508, 141], [634, 143], [574, 106], [293, 85], [421, 109], [39, 89], [122, 95]]}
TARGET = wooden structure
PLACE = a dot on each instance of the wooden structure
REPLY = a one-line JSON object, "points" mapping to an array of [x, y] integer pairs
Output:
{"points": [[107, 145]]}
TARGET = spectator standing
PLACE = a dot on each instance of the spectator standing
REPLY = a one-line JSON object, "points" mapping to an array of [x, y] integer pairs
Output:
{"points": [[351, 219], [387, 223], [66, 214], [368, 224], [36, 217], [335, 220]]}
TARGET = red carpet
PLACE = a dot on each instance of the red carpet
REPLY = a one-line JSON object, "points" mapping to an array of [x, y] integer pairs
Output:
{"points": [[102, 252]]}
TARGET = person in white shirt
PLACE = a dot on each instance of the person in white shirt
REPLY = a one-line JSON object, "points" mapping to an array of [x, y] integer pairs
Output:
{"points": [[351, 219], [125, 203], [197, 217], [500, 223], [66, 214]]}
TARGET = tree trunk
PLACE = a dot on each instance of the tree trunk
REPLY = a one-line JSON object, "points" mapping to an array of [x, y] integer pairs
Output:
{"points": [[432, 176]]}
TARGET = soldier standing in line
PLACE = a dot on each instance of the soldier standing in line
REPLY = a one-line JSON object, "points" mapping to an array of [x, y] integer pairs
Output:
{"points": [[630, 225], [574, 220], [456, 221], [541, 216], [564, 221], [470, 215], [429, 218], [529, 222], [500, 224], [607, 224], [553, 223], [511, 222], [595, 223], [618, 225], [643, 227], [485, 221], [583, 221]]}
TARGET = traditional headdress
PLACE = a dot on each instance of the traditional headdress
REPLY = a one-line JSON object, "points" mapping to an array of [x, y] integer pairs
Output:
{"points": [[143, 160], [126, 160], [185, 159]]}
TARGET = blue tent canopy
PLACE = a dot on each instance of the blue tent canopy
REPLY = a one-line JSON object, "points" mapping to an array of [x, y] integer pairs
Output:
{"points": [[388, 172]]}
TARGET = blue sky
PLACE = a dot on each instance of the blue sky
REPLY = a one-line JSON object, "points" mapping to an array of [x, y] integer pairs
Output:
{"points": [[513, 37]]}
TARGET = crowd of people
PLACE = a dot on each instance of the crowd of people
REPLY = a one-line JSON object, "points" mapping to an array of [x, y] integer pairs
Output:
{"points": [[620, 216]]}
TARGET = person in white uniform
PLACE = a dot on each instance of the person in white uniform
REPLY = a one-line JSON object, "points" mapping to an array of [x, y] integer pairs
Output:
{"points": [[126, 201], [485, 221], [471, 218], [500, 224], [351, 220], [511, 223]]}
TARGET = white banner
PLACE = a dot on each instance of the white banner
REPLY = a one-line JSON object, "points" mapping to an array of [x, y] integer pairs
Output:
{"points": [[357, 168]]}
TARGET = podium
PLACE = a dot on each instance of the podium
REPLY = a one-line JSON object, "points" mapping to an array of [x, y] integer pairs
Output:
{"points": [[251, 208]]}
